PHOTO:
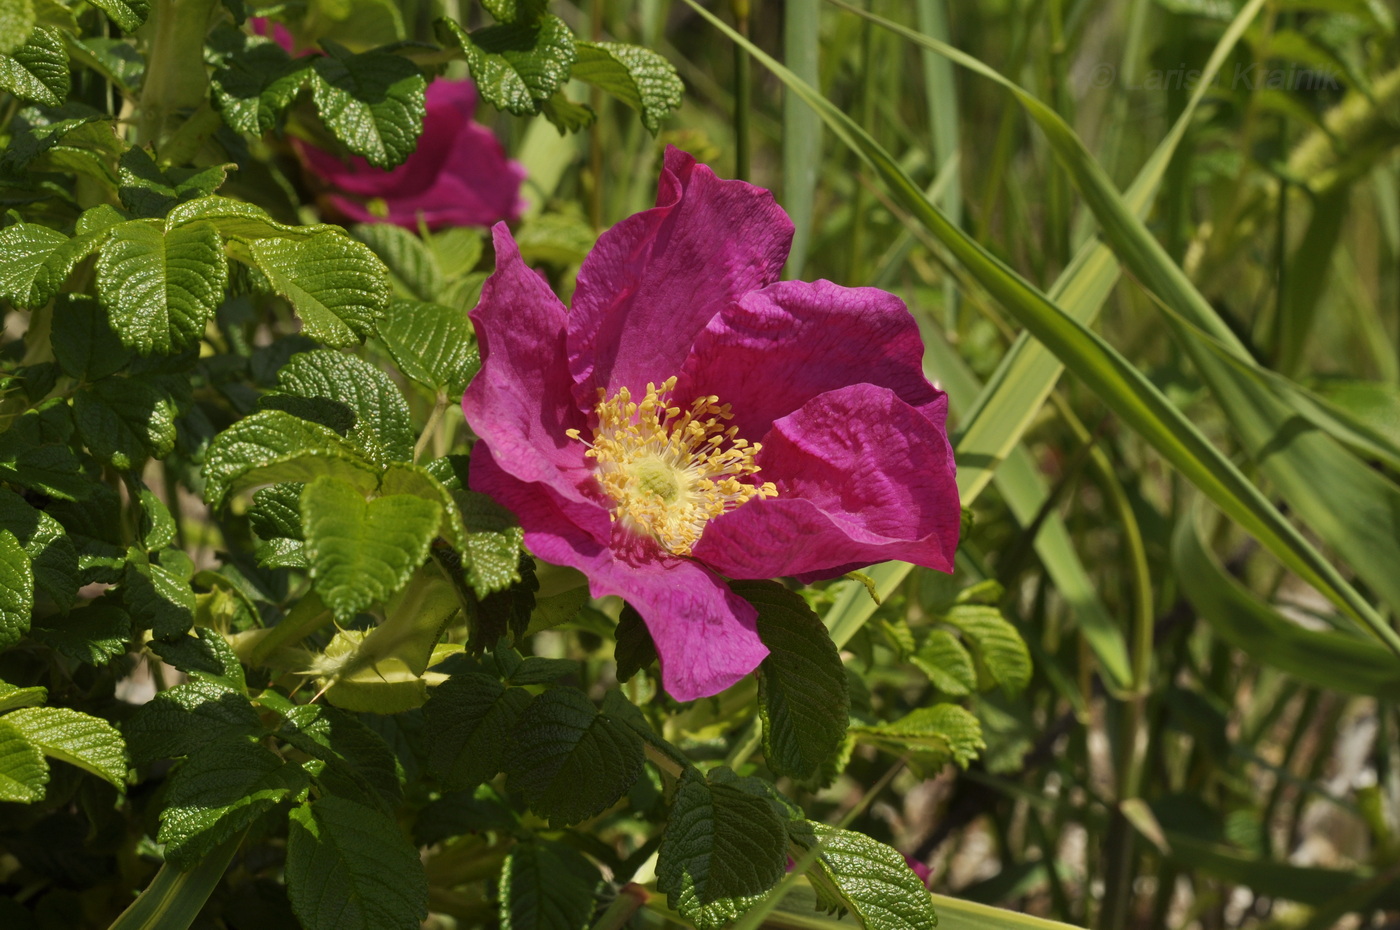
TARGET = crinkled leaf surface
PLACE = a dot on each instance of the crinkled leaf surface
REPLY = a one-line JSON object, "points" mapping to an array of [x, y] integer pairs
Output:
{"points": [[722, 850], [124, 421], [90, 743], [276, 511], [471, 719], [218, 791], [635, 648], [431, 344], [381, 425], [518, 65], [273, 446], [570, 761], [359, 764], [350, 868], [16, 589], [180, 720], [129, 14], [37, 262], [147, 190], [373, 102], [38, 69], [547, 886], [52, 557], [491, 555], [336, 285], [995, 642], [242, 221], [16, 22], [256, 84], [13, 696], [363, 551], [404, 478], [84, 343], [803, 697], [938, 734], [947, 663], [96, 634], [160, 288], [869, 878], [24, 774], [158, 597], [413, 267], [637, 76]]}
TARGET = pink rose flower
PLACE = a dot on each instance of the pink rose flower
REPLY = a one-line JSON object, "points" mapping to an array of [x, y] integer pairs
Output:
{"points": [[457, 176], [692, 417]]}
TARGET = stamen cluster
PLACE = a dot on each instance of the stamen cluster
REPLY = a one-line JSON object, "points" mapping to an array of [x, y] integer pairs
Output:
{"points": [[669, 471]]}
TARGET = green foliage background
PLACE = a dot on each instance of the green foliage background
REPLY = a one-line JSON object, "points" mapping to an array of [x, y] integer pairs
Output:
{"points": [[268, 661]]}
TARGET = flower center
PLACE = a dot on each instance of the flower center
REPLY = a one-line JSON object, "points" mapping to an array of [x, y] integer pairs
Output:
{"points": [[669, 471]]}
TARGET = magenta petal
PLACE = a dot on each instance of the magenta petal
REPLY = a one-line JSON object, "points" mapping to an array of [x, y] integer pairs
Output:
{"points": [[862, 477], [704, 633], [655, 279], [775, 349], [520, 404]]}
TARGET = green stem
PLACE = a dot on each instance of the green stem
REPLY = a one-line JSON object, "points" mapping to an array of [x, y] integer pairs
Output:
{"points": [[630, 899], [429, 428], [175, 72], [743, 92]]}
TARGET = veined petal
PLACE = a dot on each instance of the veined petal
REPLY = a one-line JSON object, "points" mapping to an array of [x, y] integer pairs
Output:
{"points": [[520, 404], [775, 349], [657, 278], [862, 477], [705, 635]]}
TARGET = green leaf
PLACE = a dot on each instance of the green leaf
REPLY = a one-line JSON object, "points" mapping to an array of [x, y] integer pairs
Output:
{"points": [[16, 589], [336, 285], [174, 898], [129, 14], [373, 102], [509, 11], [381, 427], [637, 76], [413, 266], [96, 634], [405, 478], [180, 720], [996, 644], [361, 552], [156, 528], [569, 761], [803, 697], [937, 735], [242, 221], [12, 696], [431, 344], [869, 878], [84, 343], [516, 66], [947, 663], [547, 886], [273, 446], [537, 670], [350, 868], [255, 85], [23, 772], [38, 69], [722, 850], [471, 720], [124, 421], [37, 262], [148, 191], [161, 287], [218, 791], [566, 115], [491, 552], [359, 764], [52, 556], [90, 743], [16, 22], [206, 656], [276, 511], [156, 596]]}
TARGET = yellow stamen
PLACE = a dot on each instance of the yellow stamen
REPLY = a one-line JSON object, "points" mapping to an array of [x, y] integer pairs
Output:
{"points": [[669, 471]]}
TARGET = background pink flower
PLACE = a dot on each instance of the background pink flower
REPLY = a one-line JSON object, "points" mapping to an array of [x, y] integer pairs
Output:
{"points": [[457, 176], [600, 428]]}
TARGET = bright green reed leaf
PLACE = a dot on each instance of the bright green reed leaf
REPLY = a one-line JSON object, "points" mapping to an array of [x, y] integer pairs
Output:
{"points": [[174, 898], [854, 872], [803, 697], [90, 743], [349, 867], [373, 102], [218, 791], [547, 886], [16, 589], [517, 66], [160, 288], [637, 76], [272, 446], [24, 775], [569, 761], [336, 285], [722, 850], [363, 551], [38, 69]]}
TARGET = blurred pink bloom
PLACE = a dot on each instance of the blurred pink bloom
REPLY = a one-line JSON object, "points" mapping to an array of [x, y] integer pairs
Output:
{"points": [[457, 176], [920, 869], [608, 429]]}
